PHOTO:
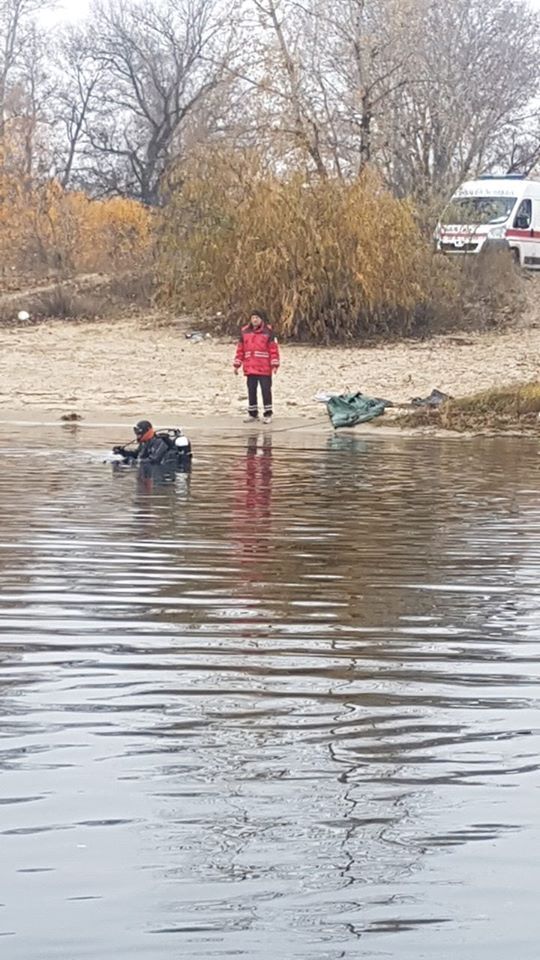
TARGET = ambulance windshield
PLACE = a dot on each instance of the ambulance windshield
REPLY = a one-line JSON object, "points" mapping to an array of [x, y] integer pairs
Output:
{"points": [[478, 210]]}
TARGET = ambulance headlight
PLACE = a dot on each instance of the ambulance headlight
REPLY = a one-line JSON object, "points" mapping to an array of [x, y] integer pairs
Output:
{"points": [[497, 233]]}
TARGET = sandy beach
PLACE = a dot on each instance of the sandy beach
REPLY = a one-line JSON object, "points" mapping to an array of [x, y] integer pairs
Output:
{"points": [[132, 367]]}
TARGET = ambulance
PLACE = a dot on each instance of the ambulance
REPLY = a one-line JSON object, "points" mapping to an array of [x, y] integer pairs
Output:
{"points": [[495, 212]]}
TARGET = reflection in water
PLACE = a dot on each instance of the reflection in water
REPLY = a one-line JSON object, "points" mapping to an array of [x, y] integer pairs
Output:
{"points": [[275, 709], [252, 512]]}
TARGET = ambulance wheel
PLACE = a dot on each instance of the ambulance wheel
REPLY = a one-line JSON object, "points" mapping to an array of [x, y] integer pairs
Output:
{"points": [[495, 246]]}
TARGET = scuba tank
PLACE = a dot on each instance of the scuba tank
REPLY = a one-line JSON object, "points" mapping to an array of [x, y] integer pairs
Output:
{"points": [[176, 440]]}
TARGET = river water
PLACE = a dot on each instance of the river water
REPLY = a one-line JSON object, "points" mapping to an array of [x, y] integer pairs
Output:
{"points": [[286, 708]]}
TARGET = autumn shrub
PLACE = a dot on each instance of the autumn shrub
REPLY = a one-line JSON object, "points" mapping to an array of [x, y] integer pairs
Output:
{"points": [[508, 408], [136, 287], [329, 260], [498, 408], [122, 229], [63, 302], [473, 293], [45, 230]]}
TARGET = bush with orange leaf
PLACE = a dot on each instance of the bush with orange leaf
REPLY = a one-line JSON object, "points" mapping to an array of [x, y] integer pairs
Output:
{"points": [[329, 260], [47, 230]]}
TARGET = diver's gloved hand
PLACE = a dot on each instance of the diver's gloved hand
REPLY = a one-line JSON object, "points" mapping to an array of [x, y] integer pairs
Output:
{"points": [[125, 453]]}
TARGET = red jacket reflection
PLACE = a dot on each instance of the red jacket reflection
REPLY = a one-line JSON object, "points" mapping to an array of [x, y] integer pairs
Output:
{"points": [[252, 510]]}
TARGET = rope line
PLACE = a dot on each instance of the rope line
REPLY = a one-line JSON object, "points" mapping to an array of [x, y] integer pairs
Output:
{"points": [[271, 433]]}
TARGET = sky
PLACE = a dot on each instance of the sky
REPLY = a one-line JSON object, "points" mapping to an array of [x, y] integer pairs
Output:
{"points": [[74, 9], [69, 11]]}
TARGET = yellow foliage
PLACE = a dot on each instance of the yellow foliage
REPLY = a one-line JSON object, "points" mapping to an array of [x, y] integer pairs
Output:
{"points": [[511, 408], [328, 260], [44, 228]]}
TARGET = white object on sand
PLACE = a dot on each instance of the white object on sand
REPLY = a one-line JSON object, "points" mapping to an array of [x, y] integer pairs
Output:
{"points": [[324, 396], [23, 315]]}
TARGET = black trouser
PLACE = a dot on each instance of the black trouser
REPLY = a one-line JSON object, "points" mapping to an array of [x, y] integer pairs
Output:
{"points": [[266, 389]]}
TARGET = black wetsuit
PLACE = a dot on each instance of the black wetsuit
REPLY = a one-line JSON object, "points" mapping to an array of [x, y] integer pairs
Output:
{"points": [[159, 451], [156, 451]]}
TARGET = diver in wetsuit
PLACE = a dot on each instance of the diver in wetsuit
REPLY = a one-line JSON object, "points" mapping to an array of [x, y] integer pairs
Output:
{"points": [[166, 448]]}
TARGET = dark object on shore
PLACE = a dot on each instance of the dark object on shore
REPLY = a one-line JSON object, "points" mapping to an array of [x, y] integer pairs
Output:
{"points": [[435, 399], [71, 417], [348, 409]]}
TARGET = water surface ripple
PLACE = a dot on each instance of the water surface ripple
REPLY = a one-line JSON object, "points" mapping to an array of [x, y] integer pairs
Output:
{"points": [[285, 708]]}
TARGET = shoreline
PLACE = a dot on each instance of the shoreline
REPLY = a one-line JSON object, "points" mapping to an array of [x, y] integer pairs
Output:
{"points": [[115, 372], [115, 426]]}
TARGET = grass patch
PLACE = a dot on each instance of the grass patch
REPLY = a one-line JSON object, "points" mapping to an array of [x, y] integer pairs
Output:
{"points": [[501, 409], [76, 299], [136, 288], [422, 417], [66, 303]]}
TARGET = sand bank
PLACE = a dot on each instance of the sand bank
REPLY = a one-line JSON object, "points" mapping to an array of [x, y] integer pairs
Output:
{"points": [[132, 367]]}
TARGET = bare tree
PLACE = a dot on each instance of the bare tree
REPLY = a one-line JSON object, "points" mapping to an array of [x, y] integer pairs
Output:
{"points": [[158, 62], [366, 54], [427, 92], [15, 21], [520, 151], [472, 70], [325, 72], [79, 74], [31, 116], [287, 81]]}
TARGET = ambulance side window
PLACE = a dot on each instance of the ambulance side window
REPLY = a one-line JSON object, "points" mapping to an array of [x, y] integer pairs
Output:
{"points": [[523, 217]]}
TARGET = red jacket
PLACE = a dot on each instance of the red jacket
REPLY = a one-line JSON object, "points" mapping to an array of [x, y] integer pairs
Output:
{"points": [[257, 351]]}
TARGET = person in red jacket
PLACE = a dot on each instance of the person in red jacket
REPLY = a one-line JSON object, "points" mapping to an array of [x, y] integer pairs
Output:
{"points": [[258, 353]]}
